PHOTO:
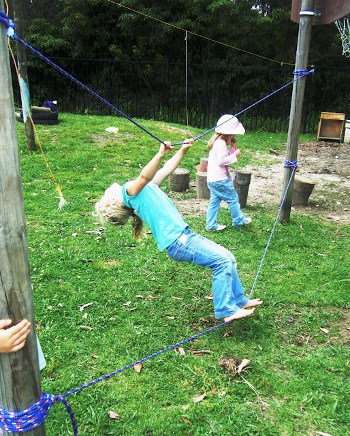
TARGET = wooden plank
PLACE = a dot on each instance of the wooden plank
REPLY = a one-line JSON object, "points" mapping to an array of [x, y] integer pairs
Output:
{"points": [[332, 116]]}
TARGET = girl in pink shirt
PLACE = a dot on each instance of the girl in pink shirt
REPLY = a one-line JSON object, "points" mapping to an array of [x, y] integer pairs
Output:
{"points": [[218, 173]]}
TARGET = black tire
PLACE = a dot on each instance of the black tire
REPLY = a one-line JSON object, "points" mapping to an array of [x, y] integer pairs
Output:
{"points": [[46, 121], [44, 116], [41, 121]]}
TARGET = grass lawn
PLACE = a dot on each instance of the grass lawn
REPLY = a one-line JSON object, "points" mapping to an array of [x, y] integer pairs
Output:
{"points": [[103, 301]]}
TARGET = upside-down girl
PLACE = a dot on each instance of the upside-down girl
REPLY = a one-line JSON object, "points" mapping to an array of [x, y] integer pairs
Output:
{"points": [[142, 200]]}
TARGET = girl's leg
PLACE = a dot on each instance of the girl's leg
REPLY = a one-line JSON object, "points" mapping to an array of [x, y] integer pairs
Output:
{"points": [[228, 292], [231, 198], [213, 209]]}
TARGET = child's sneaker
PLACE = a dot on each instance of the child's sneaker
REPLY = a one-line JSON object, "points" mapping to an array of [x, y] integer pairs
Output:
{"points": [[218, 228]]}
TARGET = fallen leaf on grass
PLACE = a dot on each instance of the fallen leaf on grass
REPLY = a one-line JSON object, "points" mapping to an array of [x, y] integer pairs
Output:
{"points": [[85, 327], [138, 368], [242, 365], [324, 330], [323, 434], [200, 398], [201, 352], [127, 303], [113, 415], [186, 420], [147, 297], [181, 351], [84, 306]]}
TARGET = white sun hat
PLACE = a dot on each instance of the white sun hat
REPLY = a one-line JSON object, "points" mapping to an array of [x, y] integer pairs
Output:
{"points": [[229, 125]]}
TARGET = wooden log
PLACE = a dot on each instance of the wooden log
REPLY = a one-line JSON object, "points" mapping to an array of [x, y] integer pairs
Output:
{"points": [[302, 189], [179, 180], [201, 184], [241, 183], [203, 166], [40, 110]]}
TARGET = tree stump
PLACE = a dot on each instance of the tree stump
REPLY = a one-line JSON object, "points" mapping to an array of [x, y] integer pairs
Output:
{"points": [[180, 180], [302, 190], [201, 184], [203, 166], [241, 184]]}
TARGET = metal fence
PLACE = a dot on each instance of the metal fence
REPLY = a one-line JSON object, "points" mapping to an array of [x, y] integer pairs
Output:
{"points": [[167, 92]]}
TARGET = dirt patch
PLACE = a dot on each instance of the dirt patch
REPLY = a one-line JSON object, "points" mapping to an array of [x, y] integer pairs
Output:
{"points": [[324, 163]]}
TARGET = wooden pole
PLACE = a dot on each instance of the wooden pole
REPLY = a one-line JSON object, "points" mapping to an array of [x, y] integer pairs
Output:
{"points": [[23, 76], [19, 372], [304, 37]]}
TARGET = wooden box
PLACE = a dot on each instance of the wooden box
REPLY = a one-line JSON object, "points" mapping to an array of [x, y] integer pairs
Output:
{"points": [[330, 126]]}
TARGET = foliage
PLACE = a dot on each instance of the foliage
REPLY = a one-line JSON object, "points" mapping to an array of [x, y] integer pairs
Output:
{"points": [[103, 301]]}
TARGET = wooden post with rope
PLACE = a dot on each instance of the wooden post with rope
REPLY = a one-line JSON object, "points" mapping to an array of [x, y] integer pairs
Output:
{"points": [[307, 13], [304, 37], [19, 372]]}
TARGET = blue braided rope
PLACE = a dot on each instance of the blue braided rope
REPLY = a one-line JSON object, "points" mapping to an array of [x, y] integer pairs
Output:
{"points": [[35, 415], [287, 164], [10, 25], [301, 74]]}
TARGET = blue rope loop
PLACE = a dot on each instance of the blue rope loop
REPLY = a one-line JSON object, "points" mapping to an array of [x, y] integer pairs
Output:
{"points": [[290, 164], [10, 25], [33, 416]]}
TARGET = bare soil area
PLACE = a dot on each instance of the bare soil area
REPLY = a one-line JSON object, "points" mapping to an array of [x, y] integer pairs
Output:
{"points": [[327, 164]]}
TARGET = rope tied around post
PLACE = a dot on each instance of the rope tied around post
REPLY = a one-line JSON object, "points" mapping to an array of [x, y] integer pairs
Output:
{"points": [[291, 164], [33, 416], [10, 25]]}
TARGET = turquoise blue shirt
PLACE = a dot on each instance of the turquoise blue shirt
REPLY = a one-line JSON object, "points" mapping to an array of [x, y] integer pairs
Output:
{"points": [[156, 209]]}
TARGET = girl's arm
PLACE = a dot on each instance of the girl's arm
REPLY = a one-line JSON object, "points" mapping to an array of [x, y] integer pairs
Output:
{"points": [[172, 163], [149, 171]]}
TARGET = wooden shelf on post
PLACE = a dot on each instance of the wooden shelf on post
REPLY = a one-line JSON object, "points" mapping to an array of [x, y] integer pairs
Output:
{"points": [[331, 126]]}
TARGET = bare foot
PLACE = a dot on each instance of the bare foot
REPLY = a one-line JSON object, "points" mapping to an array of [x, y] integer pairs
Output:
{"points": [[252, 303], [241, 313]]}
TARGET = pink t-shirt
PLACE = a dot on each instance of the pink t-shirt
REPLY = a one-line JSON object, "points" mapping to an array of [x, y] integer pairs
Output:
{"points": [[220, 157]]}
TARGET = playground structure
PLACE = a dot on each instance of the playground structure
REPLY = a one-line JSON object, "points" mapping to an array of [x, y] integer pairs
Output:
{"points": [[14, 224]]}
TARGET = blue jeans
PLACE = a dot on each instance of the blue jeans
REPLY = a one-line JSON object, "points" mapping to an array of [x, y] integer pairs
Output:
{"points": [[228, 292], [223, 190]]}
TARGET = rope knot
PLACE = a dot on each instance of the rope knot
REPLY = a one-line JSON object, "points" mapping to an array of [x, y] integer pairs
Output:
{"points": [[290, 164], [10, 25], [300, 72], [33, 416]]}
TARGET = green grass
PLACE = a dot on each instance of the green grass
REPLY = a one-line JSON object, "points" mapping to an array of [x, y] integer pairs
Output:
{"points": [[142, 301]]}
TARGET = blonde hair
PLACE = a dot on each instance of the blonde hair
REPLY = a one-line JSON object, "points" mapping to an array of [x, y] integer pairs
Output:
{"points": [[117, 214], [215, 137]]}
